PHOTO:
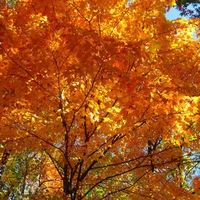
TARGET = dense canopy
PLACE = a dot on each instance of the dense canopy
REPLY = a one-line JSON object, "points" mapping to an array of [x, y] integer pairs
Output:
{"points": [[99, 100]]}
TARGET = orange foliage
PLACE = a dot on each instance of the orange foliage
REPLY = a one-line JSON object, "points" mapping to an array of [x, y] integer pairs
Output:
{"points": [[108, 89], [196, 183]]}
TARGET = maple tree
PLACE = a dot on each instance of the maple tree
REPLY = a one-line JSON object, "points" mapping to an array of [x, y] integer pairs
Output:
{"points": [[99, 100]]}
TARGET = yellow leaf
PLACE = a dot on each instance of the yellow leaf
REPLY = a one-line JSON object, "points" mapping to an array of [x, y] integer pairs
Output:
{"points": [[116, 109], [32, 119], [82, 86], [107, 119], [102, 106]]}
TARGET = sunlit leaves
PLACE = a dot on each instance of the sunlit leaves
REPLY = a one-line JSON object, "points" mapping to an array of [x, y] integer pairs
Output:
{"points": [[107, 91]]}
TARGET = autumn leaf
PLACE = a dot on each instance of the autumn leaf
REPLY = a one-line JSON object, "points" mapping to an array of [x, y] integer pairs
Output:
{"points": [[99, 100]]}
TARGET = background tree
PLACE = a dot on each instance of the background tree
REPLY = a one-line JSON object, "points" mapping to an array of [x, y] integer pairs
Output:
{"points": [[189, 8], [106, 92], [23, 175]]}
